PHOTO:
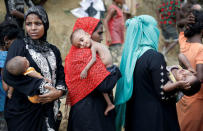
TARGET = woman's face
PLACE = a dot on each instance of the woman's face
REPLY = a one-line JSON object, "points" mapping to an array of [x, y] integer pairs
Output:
{"points": [[34, 26], [98, 34]]}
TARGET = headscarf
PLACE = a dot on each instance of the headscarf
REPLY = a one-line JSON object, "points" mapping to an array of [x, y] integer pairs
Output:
{"points": [[142, 34], [75, 62], [88, 24], [40, 45]]}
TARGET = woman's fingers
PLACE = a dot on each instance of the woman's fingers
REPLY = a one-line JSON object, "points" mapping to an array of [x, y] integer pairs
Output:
{"points": [[52, 95], [49, 87], [44, 98]]}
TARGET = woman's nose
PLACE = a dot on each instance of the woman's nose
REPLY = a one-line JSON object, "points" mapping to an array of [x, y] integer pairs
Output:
{"points": [[33, 27]]}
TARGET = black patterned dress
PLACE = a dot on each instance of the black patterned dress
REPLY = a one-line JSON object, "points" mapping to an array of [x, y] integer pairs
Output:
{"points": [[20, 113]]}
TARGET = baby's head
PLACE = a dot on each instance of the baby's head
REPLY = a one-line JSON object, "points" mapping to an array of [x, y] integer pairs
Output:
{"points": [[17, 65], [183, 75], [80, 38]]}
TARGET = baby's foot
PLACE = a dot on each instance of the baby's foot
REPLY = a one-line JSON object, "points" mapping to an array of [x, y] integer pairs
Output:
{"points": [[109, 108]]}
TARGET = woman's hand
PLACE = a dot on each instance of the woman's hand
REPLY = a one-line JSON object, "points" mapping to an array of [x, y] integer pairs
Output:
{"points": [[51, 96]]}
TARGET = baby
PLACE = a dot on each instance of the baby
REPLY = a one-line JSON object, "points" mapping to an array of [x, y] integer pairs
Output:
{"points": [[183, 80], [20, 66], [81, 39]]}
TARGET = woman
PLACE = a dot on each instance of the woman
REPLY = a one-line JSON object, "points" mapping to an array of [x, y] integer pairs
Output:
{"points": [[8, 33], [190, 109], [139, 91], [85, 95], [20, 113]]}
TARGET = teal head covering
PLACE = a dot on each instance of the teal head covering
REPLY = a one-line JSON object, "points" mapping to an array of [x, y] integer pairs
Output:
{"points": [[142, 34]]}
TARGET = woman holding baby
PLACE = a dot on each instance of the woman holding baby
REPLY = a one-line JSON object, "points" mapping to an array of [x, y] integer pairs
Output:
{"points": [[85, 95], [20, 113]]}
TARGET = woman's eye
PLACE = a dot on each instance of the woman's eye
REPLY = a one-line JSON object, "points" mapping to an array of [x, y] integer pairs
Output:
{"points": [[38, 23], [28, 24]]}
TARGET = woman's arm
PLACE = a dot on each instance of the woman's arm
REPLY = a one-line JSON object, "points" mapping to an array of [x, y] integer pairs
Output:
{"points": [[51, 96], [110, 81], [184, 62], [169, 86], [17, 14], [13, 11], [199, 64], [199, 69], [159, 75], [23, 84]]}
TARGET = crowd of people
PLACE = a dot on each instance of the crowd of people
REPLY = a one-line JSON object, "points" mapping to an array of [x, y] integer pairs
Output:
{"points": [[150, 96]]}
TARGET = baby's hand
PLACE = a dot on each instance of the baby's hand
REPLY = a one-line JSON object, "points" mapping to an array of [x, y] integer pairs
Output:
{"points": [[83, 74], [184, 85]]}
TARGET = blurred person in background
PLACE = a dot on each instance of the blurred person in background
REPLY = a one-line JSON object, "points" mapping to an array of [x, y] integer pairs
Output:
{"points": [[167, 22], [8, 33], [15, 10], [114, 25]]}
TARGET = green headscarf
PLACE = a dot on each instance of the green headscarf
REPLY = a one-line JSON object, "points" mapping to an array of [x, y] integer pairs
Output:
{"points": [[142, 34]]}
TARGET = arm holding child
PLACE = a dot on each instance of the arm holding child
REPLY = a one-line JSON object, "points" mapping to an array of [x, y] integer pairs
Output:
{"points": [[185, 63], [169, 86]]}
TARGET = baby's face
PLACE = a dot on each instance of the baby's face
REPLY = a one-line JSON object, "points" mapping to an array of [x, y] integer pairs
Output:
{"points": [[184, 75], [81, 39]]}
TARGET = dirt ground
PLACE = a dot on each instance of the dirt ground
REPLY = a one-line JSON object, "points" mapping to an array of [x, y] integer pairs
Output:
{"points": [[62, 21]]}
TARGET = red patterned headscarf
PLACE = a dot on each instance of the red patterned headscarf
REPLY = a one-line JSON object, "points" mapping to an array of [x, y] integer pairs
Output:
{"points": [[88, 24], [75, 62]]}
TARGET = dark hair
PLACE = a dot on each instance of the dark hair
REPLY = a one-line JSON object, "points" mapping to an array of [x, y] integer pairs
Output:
{"points": [[197, 26], [10, 30], [96, 28], [195, 87], [15, 66]]}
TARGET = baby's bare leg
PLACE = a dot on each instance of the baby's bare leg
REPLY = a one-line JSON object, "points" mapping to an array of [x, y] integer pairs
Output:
{"points": [[110, 105], [10, 92]]}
